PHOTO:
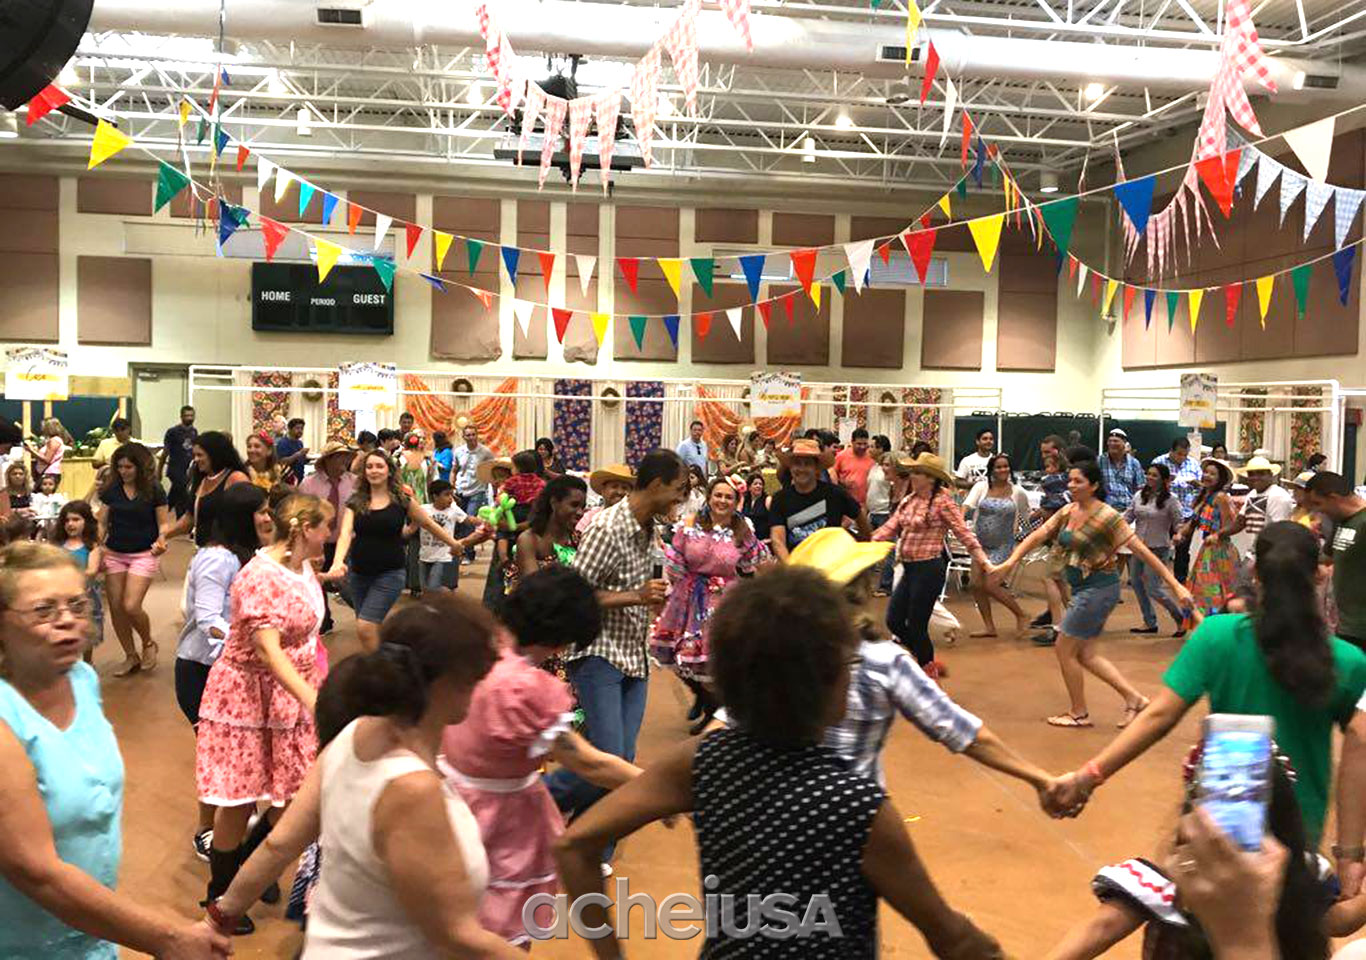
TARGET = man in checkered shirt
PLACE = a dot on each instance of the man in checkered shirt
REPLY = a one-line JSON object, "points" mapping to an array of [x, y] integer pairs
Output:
{"points": [[610, 675]]}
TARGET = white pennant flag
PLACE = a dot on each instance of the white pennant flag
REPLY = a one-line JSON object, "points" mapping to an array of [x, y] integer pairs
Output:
{"points": [[1246, 161], [950, 102], [733, 315], [382, 222], [1345, 208], [522, 310], [264, 170], [1267, 172], [1081, 278], [1316, 198], [1292, 185], [283, 178], [586, 265], [1313, 144], [859, 254]]}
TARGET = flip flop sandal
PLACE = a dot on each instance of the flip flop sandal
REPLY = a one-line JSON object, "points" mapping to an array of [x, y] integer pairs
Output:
{"points": [[1068, 720], [1130, 713]]}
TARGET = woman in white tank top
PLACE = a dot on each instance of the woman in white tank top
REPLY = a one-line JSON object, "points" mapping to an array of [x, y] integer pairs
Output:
{"points": [[403, 869]]}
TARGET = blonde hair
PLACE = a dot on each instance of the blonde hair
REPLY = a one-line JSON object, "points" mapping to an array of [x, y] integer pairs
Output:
{"points": [[19, 558], [295, 512], [52, 427]]}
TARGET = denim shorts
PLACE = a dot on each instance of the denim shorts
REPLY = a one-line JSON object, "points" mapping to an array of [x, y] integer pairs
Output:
{"points": [[1090, 608], [374, 596]]}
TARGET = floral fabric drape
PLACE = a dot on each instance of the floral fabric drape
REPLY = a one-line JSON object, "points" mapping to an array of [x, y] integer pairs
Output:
{"points": [[1306, 429], [341, 424], [852, 402], [720, 421], [572, 423], [644, 421], [1252, 426], [268, 400], [919, 422], [496, 416]]}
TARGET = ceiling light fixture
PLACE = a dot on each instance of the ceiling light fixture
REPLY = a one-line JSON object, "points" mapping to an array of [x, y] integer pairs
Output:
{"points": [[1093, 91], [808, 149], [844, 121], [1048, 182], [305, 123], [9, 126]]}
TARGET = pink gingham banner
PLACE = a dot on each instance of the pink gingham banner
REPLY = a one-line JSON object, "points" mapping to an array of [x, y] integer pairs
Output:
{"points": [[580, 119], [555, 110], [644, 100], [681, 41], [535, 99], [737, 12], [607, 107]]}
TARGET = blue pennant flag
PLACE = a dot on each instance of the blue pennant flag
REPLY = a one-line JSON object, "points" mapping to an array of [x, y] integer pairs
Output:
{"points": [[1149, 298], [223, 73], [510, 257], [1060, 258], [1342, 266], [229, 219], [671, 325], [306, 191], [753, 266], [329, 204], [1136, 197], [436, 282], [220, 141], [981, 159]]}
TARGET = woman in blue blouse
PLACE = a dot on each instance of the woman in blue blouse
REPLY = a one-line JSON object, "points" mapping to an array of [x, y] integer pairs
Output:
{"points": [[61, 782]]}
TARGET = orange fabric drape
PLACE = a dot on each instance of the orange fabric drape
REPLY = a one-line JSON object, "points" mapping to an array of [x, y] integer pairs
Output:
{"points": [[496, 416], [720, 421]]}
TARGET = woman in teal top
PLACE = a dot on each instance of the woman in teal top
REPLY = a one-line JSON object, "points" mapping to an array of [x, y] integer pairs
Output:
{"points": [[61, 782]]}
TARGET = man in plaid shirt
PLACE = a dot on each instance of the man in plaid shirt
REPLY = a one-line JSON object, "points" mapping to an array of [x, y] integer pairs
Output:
{"points": [[610, 675], [1185, 471], [1121, 471]]}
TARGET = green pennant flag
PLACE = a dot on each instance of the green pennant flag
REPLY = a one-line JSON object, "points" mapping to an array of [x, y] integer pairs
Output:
{"points": [[385, 268], [1060, 217], [838, 281], [995, 175], [203, 127], [638, 331], [1172, 300], [472, 250], [170, 181], [1300, 277], [704, 269], [963, 188]]}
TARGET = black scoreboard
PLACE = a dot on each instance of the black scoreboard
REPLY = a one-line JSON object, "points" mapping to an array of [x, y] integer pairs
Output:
{"points": [[287, 298]]}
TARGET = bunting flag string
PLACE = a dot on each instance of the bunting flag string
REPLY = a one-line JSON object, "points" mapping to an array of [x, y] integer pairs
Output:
{"points": [[522, 310], [170, 182], [561, 318], [1264, 288], [108, 141], [327, 254], [600, 321], [1233, 295], [442, 243], [584, 265], [45, 101], [273, 234], [630, 269]]}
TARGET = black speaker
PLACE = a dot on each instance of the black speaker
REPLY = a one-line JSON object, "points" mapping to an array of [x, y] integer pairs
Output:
{"points": [[37, 38]]}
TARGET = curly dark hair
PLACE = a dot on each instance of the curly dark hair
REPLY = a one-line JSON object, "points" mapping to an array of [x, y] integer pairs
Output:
{"points": [[555, 606], [780, 691]]}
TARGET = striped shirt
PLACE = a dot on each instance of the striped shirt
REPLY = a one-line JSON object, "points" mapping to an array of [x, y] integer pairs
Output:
{"points": [[616, 554]]}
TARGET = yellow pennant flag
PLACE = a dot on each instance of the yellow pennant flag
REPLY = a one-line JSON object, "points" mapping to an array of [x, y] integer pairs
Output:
{"points": [[986, 233], [1264, 286], [184, 112], [815, 292], [1195, 297], [673, 272], [913, 19], [283, 178], [443, 243], [108, 141], [946, 205], [327, 257], [599, 325], [1111, 287]]}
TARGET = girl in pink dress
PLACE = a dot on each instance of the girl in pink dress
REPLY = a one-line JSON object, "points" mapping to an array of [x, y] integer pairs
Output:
{"points": [[256, 738], [519, 717]]}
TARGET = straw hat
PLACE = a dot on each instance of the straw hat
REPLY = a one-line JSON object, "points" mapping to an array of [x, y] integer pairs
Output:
{"points": [[1261, 465], [330, 449], [928, 463], [1229, 472], [836, 554], [806, 447], [1302, 479], [484, 472], [618, 472]]}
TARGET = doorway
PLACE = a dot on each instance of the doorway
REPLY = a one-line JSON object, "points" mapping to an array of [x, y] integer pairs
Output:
{"points": [[159, 391]]}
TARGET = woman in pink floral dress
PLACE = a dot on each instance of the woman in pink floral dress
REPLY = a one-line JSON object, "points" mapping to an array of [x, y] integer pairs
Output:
{"points": [[518, 718], [708, 553], [256, 738]]}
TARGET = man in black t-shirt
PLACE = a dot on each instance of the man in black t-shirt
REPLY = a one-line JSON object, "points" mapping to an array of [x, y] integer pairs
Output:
{"points": [[809, 503], [177, 449]]}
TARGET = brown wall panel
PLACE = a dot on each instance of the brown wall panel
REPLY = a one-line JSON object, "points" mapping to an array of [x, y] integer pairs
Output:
{"points": [[806, 342], [951, 337], [114, 300], [803, 229], [1026, 331], [646, 232], [719, 225], [720, 344], [1328, 327], [1215, 340], [28, 231], [533, 217], [874, 328], [185, 206], [28, 297], [400, 206], [98, 193], [1175, 342], [868, 228], [651, 297], [1139, 346], [478, 217], [581, 228], [462, 329], [21, 191], [287, 209], [535, 344], [1028, 273]]}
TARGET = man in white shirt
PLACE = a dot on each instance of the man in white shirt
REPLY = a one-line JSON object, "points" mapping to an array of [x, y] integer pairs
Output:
{"points": [[470, 493], [693, 450], [973, 467], [1268, 502]]}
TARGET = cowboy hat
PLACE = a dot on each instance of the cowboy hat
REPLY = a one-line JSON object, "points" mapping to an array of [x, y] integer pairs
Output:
{"points": [[1302, 479], [1229, 472], [616, 472], [836, 554], [331, 448], [928, 463], [484, 472], [806, 447], [1261, 465]]}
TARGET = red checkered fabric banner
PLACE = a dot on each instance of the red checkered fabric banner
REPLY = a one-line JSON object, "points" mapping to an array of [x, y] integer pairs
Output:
{"points": [[607, 106], [644, 101], [535, 100], [580, 119], [681, 42], [737, 12], [555, 110]]}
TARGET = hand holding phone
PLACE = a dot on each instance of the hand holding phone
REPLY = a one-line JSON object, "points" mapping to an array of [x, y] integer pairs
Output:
{"points": [[1234, 779]]}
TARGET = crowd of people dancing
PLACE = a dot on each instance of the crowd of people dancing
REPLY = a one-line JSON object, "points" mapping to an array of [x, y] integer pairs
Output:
{"points": [[480, 749]]}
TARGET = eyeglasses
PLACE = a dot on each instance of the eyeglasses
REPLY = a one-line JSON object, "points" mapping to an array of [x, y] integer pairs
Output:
{"points": [[49, 611]]}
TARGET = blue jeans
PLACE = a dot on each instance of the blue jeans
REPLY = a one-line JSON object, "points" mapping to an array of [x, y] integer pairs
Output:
{"points": [[613, 708], [471, 504], [440, 575], [884, 583], [912, 605], [1148, 586], [374, 596]]}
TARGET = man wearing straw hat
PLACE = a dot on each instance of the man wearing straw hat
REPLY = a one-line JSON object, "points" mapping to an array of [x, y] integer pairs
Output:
{"points": [[1268, 503], [810, 503], [611, 482]]}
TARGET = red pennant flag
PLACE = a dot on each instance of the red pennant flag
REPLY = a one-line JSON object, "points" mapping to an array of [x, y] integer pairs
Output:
{"points": [[1220, 187], [804, 266], [561, 318], [353, 215], [274, 234], [242, 154], [925, 220], [414, 235], [967, 137], [547, 268], [931, 68], [48, 99], [1129, 294], [765, 310], [885, 252], [1232, 294], [1095, 288], [920, 245], [1072, 264], [701, 322], [485, 298], [789, 302], [630, 269]]}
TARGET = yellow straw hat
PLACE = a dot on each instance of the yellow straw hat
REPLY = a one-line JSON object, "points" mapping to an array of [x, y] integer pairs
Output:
{"points": [[836, 554]]}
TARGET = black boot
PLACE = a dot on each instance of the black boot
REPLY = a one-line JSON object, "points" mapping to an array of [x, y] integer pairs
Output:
{"points": [[255, 837], [223, 866], [706, 713], [699, 699]]}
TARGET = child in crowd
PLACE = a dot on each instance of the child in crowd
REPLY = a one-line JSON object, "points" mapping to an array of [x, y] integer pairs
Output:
{"points": [[76, 532], [47, 504], [498, 475], [438, 569], [17, 487]]}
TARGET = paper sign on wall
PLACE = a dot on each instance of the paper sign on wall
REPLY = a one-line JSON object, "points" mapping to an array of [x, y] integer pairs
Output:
{"points": [[367, 386], [36, 373], [775, 395], [1199, 392]]}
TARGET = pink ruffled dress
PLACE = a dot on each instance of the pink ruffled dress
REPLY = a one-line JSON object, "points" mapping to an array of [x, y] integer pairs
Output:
{"points": [[494, 760]]}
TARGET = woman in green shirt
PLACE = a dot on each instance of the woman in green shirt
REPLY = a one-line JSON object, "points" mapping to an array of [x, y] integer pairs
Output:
{"points": [[1277, 661]]}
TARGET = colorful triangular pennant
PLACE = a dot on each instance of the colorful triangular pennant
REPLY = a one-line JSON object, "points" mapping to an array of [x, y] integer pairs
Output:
{"points": [[630, 269], [1292, 185], [986, 233], [734, 315], [510, 257], [327, 254], [1264, 287], [638, 331], [752, 265], [386, 269], [701, 323], [584, 265], [920, 246], [1136, 197], [442, 242], [859, 254], [1149, 298], [703, 268], [283, 178], [1060, 216], [50, 98], [473, 248], [382, 224], [547, 267], [354, 212], [673, 272], [273, 234], [1342, 267], [1313, 145], [561, 317], [1267, 172], [1233, 295], [765, 308], [1299, 279], [412, 233], [522, 310], [306, 191], [1346, 203], [803, 266], [671, 327], [436, 282], [1195, 298], [1316, 198], [170, 182], [599, 325], [108, 141]]}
